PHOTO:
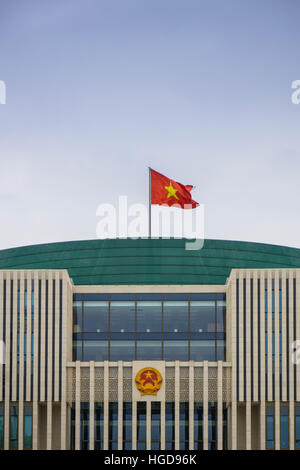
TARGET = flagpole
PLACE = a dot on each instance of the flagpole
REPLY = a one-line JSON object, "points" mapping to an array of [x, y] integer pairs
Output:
{"points": [[149, 201]]}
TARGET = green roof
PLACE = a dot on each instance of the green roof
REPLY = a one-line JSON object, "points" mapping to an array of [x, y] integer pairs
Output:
{"points": [[149, 261]]}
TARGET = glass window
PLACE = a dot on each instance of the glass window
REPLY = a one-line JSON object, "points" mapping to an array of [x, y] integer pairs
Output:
{"points": [[13, 427], [270, 427], [27, 427], [220, 346], [198, 426], [203, 350], [96, 316], [127, 425], [77, 316], [175, 314], [170, 426], [155, 425], [149, 316], [122, 350], [99, 425], [221, 315], [1, 426], [284, 427], [202, 316], [149, 350], [212, 426], [113, 426], [176, 350], [95, 351], [297, 427], [84, 425], [184, 426], [122, 316], [141, 425], [77, 350]]}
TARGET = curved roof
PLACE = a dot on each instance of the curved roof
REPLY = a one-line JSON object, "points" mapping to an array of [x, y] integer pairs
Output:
{"points": [[149, 261]]}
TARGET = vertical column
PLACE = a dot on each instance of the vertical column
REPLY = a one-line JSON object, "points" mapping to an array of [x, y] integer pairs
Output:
{"points": [[29, 352], [241, 337], [92, 405], [35, 363], [106, 404], [255, 338], [248, 347], [14, 337], [64, 326], [191, 405], [77, 406], [163, 424], [276, 363], [177, 401], [148, 424], [205, 405], [43, 338], [263, 424], [49, 424], [290, 362], [220, 405], [49, 359], [269, 360], [233, 418], [283, 336], [56, 338], [120, 405], [21, 364], [297, 306], [262, 377], [7, 363], [1, 330]]}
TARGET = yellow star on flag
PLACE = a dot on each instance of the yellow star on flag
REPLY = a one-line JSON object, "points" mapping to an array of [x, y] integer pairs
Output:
{"points": [[171, 191]]}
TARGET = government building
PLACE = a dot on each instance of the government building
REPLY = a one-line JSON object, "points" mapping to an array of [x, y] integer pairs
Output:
{"points": [[142, 344]]}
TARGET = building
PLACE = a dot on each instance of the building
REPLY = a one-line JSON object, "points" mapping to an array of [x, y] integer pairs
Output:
{"points": [[80, 320]]}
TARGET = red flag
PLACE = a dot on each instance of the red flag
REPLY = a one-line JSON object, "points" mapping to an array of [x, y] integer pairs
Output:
{"points": [[165, 191]]}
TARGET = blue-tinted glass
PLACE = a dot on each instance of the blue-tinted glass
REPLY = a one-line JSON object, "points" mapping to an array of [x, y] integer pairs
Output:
{"points": [[122, 350], [184, 422], [270, 427], [203, 316], [1, 426], [212, 426], [175, 315], [149, 350], [122, 315], [221, 315], [149, 316], [113, 422], [95, 351], [84, 425], [77, 350], [220, 350], [127, 425], [284, 427], [77, 316], [204, 297], [27, 427], [96, 316], [297, 427], [141, 425], [13, 427], [198, 425], [99, 425], [175, 350], [203, 350], [170, 422], [155, 425]]}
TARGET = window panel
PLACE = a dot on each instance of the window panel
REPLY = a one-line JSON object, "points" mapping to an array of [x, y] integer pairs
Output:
{"points": [[122, 316], [96, 316], [149, 316], [176, 350], [175, 316], [122, 350], [95, 351], [149, 350], [203, 350]]}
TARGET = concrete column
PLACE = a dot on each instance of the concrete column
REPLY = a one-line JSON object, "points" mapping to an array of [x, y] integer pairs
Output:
{"points": [[205, 405], [92, 405]]}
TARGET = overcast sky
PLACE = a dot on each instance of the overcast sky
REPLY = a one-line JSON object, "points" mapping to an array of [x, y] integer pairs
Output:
{"points": [[97, 90]]}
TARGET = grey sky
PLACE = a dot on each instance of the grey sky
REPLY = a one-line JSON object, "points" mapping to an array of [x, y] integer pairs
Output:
{"points": [[198, 89]]}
